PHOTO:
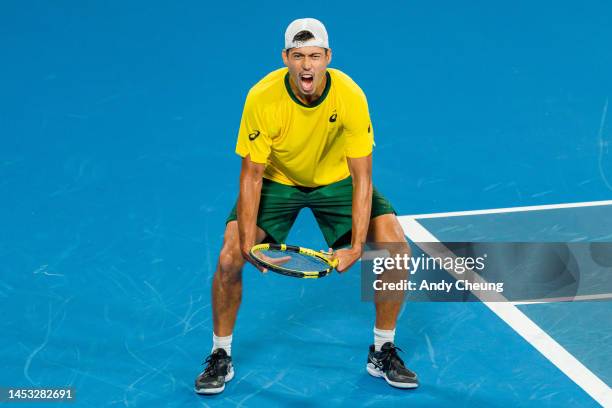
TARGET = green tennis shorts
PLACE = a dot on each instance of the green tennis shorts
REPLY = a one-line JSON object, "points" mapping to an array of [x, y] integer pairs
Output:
{"points": [[331, 205]]}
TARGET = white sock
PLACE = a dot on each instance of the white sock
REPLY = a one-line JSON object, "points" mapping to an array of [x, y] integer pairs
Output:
{"points": [[224, 343], [382, 336]]}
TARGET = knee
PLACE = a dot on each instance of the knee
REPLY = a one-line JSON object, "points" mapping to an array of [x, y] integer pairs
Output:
{"points": [[404, 248], [230, 265]]}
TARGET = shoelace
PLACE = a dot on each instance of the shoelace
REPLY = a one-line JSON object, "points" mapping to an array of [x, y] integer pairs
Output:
{"points": [[211, 362], [393, 356]]}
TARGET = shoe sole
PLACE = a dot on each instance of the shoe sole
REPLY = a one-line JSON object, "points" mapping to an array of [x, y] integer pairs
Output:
{"points": [[212, 391], [379, 374]]}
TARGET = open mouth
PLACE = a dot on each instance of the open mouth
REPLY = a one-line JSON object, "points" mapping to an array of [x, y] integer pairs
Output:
{"points": [[306, 82]]}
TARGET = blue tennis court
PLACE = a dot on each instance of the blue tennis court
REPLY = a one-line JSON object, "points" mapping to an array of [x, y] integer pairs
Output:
{"points": [[118, 125]]}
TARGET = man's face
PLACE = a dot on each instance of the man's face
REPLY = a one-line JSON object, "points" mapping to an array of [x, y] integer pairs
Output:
{"points": [[307, 67]]}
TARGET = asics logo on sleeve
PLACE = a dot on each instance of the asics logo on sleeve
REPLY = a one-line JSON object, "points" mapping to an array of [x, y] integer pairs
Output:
{"points": [[254, 135]]}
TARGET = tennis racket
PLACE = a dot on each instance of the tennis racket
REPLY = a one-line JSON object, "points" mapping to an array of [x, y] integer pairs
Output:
{"points": [[293, 261]]}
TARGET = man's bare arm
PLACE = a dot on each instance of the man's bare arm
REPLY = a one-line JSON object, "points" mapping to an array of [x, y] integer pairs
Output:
{"points": [[361, 171], [251, 178]]}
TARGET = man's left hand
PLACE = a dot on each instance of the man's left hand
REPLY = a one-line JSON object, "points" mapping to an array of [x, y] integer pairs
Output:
{"points": [[347, 257]]}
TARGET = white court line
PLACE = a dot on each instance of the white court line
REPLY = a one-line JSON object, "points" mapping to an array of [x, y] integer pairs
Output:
{"points": [[530, 331], [600, 296], [510, 209]]}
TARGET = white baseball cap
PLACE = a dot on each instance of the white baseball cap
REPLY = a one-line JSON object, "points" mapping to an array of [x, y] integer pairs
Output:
{"points": [[311, 25]]}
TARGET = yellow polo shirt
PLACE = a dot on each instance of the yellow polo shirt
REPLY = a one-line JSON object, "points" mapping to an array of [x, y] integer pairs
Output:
{"points": [[305, 145]]}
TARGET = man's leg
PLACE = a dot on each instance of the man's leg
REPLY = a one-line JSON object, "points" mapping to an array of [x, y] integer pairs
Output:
{"points": [[383, 360], [227, 282], [226, 297], [387, 229]]}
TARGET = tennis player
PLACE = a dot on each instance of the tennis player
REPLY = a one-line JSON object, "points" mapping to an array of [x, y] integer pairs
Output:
{"points": [[306, 141]]}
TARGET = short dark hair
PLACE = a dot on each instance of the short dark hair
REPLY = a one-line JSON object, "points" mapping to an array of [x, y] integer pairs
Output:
{"points": [[302, 36]]}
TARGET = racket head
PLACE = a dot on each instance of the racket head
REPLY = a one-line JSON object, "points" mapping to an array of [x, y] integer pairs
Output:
{"points": [[302, 262]]}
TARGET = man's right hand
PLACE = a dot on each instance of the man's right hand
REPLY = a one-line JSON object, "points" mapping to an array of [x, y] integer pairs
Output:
{"points": [[246, 255]]}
